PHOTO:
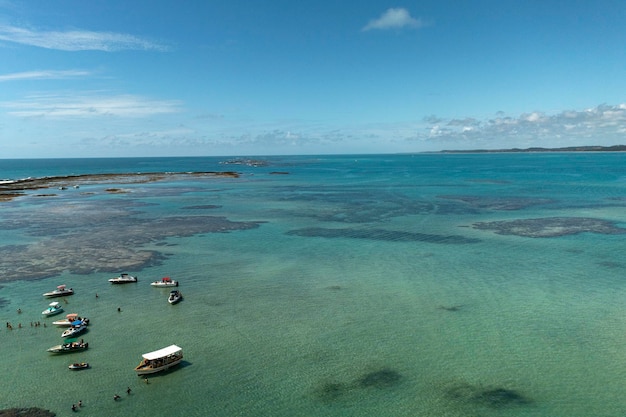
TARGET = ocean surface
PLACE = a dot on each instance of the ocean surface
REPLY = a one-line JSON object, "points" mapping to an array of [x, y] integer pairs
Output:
{"points": [[379, 285]]}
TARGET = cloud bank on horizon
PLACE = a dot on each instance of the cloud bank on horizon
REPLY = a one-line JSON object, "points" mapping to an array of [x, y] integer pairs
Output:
{"points": [[394, 81]]}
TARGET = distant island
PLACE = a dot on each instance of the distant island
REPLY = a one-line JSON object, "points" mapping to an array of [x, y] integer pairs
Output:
{"points": [[615, 148]]}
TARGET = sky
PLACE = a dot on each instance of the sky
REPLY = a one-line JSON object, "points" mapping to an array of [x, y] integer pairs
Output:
{"points": [[115, 78]]}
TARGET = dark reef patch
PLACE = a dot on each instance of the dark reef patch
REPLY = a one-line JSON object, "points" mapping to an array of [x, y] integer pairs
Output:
{"points": [[382, 378], [451, 308], [381, 234], [493, 397], [551, 227], [202, 207], [498, 203], [500, 397], [356, 205], [26, 412], [331, 391]]}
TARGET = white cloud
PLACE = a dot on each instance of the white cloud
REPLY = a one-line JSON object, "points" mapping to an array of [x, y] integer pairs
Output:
{"points": [[43, 75], [77, 40], [394, 18], [63, 106], [601, 125]]}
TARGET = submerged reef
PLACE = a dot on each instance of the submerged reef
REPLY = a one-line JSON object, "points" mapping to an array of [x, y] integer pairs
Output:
{"points": [[383, 378], [498, 203], [551, 227], [89, 236], [381, 234], [491, 397], [26, 412]]}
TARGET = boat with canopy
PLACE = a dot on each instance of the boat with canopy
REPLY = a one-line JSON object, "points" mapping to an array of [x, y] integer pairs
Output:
{"points": [[159, 360]]}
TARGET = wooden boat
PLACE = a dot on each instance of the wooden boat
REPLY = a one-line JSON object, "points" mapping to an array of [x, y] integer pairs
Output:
{"points": [[165, 282], [77, 328], [123, 279], [174, 297], [61, 291], [69, 319], [78, 366], [159, 360], [53, 309], [69, 347]]}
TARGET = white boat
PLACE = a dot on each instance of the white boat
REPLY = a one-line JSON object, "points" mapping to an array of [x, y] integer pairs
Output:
{"points": [[159, 360], [174, 297], [76, 329], [53, 308], [61, 291], [165, 282], [69, 319], [69, 347], [123, 279], [78, 366]]}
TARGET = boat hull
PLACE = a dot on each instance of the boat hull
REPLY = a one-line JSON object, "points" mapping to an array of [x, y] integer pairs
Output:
{"points": [[49, 313], [146, 370], [65, 349], [54, 294]]}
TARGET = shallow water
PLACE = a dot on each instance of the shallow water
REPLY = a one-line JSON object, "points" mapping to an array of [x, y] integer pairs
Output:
{"points": [[359, 286]]}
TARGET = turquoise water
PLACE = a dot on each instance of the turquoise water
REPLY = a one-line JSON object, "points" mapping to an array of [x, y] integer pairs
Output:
{"points": [[388, 285]]}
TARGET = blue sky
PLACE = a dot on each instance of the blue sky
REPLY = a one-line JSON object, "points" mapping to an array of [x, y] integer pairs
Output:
{"points": [[262, 77]]}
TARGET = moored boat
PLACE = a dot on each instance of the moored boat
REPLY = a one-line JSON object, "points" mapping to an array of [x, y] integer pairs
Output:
{"points": [[53, 309], [159, 360], [78, 366], [69, 347], [174, 297], [71, 318], [61, 291], [77, 328], [123, 279], [165, 282]]}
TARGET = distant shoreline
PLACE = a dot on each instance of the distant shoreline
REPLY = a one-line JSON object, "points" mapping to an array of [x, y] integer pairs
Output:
{"points": [[615, 148]]}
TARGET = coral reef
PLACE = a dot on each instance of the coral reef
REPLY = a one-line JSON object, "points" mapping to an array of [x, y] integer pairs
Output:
{"points": [[381, 234], [551, 227], [26, 412]]}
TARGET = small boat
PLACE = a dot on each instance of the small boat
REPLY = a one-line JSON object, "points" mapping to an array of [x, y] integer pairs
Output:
{"points": [[78, 366], [61, 291], [69, 319], [159, 360], [77, 328], [53, 308], [165, 282], [69, 347], [123, 279], [174, 297]]}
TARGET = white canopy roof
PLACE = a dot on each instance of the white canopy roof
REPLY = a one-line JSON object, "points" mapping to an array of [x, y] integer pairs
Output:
{"points": [[166, 351]]}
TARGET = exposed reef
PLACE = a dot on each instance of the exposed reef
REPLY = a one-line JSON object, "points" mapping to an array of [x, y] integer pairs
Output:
{"points": [[551, 227], [17, 188], [26, 412], [381, 234]]}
